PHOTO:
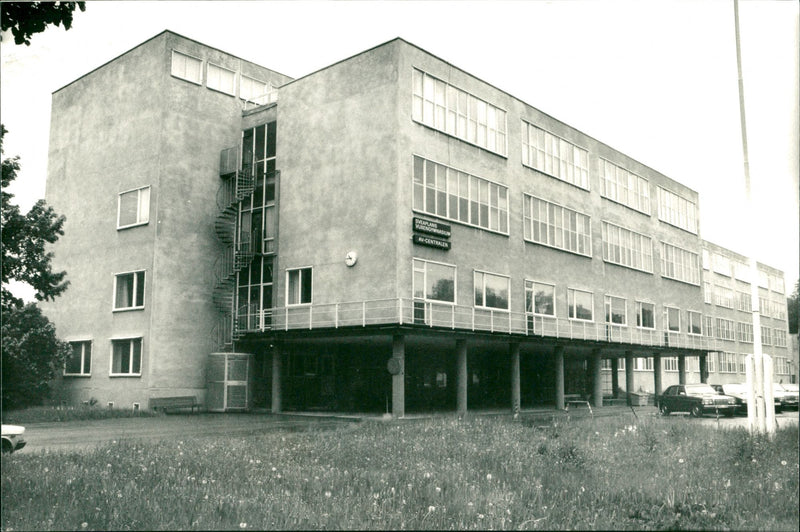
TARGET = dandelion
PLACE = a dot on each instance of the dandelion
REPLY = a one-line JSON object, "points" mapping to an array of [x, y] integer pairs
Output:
{"points": [[242, 525], [376, 495], [438, 489], [480, 516], [327, 494], [680, 460], [783, 462], [427, 475], [431, 509], [489, 476], [84, 524]]}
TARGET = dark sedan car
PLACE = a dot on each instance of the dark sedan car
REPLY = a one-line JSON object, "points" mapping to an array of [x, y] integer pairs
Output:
{"points": [[697, 399]]}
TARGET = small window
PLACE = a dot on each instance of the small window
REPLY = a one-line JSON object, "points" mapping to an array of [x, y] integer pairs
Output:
{"points": [[580, 304], [434, 281], [672, 319], [645, 315], [133, 207], [126, 357], [79, 362], [616, 311], [540, 298], [491, 291], [129, 291], [221, 79], [694, 322], [298, 286], [187, 67]]}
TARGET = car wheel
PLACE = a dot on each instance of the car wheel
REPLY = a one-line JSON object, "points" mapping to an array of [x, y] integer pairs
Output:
{"points": [[697, 411], [7, 449], [663, 409]]}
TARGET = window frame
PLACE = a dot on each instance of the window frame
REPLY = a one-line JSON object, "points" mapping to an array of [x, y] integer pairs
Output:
{"points": [[571, 168], [172, 72], [572, 307], [83, 362], [484, 275], [299, 271], [142, 214], [624, 233], [629, 177], [690, 322], [638, 308], [415, 269], [530, 288], [694, 279], [221, 68], [135, 290], [669, 210], [131, 353], [608, 306], [529, 225], [667, 319]]}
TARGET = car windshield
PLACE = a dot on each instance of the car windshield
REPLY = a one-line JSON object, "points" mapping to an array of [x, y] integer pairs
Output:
{"points": [[734, 388], [700, 389]]}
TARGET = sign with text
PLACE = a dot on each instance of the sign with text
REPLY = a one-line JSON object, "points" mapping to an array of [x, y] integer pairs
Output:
{"points": [[432, 228], [431, 242]]}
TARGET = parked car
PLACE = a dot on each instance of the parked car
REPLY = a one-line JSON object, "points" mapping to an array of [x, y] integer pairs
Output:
{"points": [[737, 391], [785, 395], [697, 399], [12, 438]]}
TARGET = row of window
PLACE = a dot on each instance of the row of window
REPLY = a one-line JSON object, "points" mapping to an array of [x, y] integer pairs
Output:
{"points": [[716, 362], [446, 108], [218, 78], [725, 329], [741, 271], [723, 296], [125, 361]]}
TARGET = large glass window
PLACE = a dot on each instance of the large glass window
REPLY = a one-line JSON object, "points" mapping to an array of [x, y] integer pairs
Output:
{"points": [[298, 286], [580, 304], [126, 357], [556, 226], [554, 156], [187, 67], [780, 337], [257, 223], [622, 186], [491, 290], [448, 193], [645, 315], [627, 248], [129, 291], [133, 207], [744, 332], [694, 322], [679, 264], [727, 362], [221, 79], [766, 335], [723, 296], [725, 329], [744, 301], [434, 281], [254, 292], [253, 90], [670, 364], [540, 298], [79, 361], [451, 110], [672, 319], [676, 210], [616, 311]]}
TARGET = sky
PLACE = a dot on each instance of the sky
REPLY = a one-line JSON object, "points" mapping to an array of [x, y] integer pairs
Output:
{"points": [[655, 80]]}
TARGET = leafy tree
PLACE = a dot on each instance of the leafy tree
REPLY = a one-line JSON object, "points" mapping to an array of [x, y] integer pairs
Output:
{"points": [[26, 18], [32, 354], [24, 237], [793, 302]]}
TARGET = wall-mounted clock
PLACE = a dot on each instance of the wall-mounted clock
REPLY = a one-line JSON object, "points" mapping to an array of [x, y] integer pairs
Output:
{"points": [[351, 258]]}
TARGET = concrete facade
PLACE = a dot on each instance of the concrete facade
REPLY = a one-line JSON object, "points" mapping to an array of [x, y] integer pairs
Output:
{"points": [[349, 147]]}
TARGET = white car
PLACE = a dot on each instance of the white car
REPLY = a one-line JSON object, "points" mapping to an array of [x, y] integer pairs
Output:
{"points": [[12, 438]]}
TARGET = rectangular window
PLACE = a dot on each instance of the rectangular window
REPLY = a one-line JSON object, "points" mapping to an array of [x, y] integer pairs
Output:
{"points": [[764, 306], [725, 329], [709, 327], [187, 67], [627, 248], [694, 322], [580, 304], [711, 362], [622, 186], [763, 279], [779, 309], [221, 79], [672, 319], [554, 156], [780, 337], [556, 226], [540, 298], [723, 297], [129, 291], [744, 301], [676, 210], [253, 90], [491, 291], [727, 362], [448, 193], [783, 366], [766, 335], [706, 259], [722, 265], [679, 264], [126, 357], [645, 315], [708, 292], [776, 283], [643, 364], [444, 107], [298, 286], [79, 362], [616, 311], [434, 281], [741, 271], [670, 363], [744, 332], [133, 207]]}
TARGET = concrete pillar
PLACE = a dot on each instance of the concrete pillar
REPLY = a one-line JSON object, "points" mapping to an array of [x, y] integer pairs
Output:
{"points": [[681, 369], [597, 381], [399, 378], [276, 380], [513, 349], [461, 377], [629, 377], [614, 377], [558, 351], [703, 361], [657, 388]]}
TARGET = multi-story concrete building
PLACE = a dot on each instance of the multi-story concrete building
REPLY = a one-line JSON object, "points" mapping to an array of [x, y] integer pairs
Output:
{"points": [[389, 232]]}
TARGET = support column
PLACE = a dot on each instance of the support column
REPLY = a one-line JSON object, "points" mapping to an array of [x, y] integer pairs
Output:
{"points": [[513, 349], [629, 377], [399, 376], [703, 361], [276, 380], [614, 377], [657, 388], [597, 381], [461, 377], [558, 351], [681, 369]]}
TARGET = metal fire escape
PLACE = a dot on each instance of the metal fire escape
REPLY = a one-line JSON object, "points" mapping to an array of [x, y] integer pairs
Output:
{"points": [[237, 185]]}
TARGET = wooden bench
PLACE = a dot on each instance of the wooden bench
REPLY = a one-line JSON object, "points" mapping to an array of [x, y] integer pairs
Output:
{"points": [[169, 403], [576, 400]]}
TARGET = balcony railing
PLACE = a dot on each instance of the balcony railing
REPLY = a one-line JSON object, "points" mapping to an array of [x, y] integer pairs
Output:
{"points": [[456, 317]]}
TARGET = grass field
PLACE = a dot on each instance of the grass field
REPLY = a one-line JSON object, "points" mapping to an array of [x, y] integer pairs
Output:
{"points": [[482, 473]]}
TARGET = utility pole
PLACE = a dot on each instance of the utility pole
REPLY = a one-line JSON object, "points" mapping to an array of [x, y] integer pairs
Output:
{"points": [[760, 405]]}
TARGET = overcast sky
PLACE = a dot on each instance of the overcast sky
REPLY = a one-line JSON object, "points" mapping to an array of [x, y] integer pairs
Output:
{"points": [[656, 80]]}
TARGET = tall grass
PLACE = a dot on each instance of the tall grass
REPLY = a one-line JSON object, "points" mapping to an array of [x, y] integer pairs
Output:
{"points": [[43, 414], [483, 473]]}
